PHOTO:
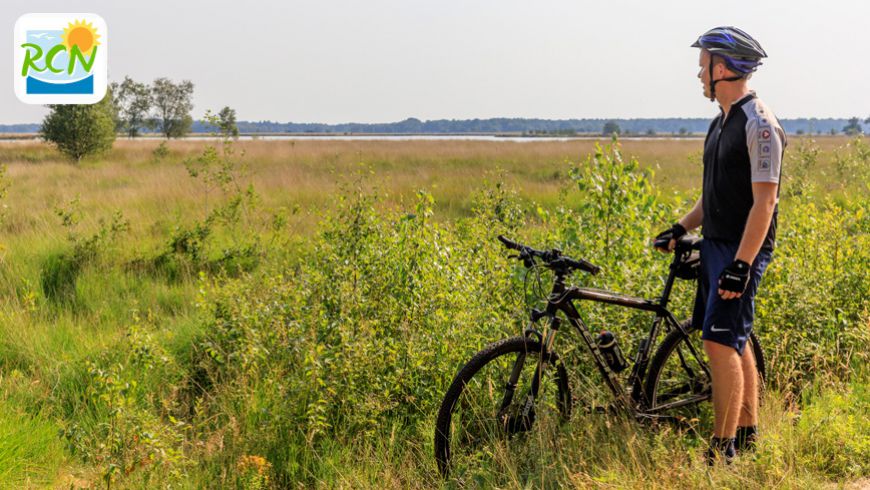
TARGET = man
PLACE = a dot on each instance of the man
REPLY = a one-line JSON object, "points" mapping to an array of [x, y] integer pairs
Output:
{"points": [[737, 212]]}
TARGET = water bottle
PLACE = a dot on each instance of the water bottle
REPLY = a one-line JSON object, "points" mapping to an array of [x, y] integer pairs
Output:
{"points": [[611, 351]]}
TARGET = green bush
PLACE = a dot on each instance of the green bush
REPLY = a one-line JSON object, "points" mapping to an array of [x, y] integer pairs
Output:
{"points": [[362, 335], [333, 350]]}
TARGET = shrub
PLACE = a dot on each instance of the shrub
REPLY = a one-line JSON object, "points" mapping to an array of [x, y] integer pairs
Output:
{"points": [[80, 130]]}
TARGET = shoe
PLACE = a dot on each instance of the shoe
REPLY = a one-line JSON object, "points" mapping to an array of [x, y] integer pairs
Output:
{"points": [[746, 439], [721, 449]]}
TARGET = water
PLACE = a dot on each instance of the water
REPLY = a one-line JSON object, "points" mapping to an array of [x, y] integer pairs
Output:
{"points": [[389, 137]]}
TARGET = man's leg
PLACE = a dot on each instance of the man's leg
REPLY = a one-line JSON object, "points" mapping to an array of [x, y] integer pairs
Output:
{"points": [[727, 370], [749, 407]]}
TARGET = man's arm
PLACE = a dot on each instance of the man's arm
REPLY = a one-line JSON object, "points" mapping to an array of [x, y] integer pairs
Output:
{"points": [[757, 224], [693, 218], [690, 221], [765, 141]]}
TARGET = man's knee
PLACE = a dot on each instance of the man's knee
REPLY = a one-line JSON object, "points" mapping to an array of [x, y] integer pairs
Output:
{"points": [[718, 351]]}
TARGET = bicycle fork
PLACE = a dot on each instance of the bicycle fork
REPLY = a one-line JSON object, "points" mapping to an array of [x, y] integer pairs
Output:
{"points": [[526, 416]]}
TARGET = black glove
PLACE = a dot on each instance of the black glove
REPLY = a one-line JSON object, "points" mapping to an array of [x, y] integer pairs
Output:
{"points": [[673, 233], [734, 277]]}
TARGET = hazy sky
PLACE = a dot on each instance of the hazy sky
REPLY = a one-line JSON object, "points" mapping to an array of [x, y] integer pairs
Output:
{"points": [[386, 60]]}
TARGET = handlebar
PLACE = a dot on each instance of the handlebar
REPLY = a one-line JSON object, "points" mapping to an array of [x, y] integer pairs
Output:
{"points": [[553, 259]]}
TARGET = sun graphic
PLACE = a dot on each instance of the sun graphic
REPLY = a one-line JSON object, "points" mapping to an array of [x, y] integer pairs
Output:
{"points": [[81, 34]]}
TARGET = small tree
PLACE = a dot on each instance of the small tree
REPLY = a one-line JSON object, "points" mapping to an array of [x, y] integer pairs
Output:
{"points": [[133, 103], [172, 104], [81, 130], [611, 128], [854, 127], [227, 122]]}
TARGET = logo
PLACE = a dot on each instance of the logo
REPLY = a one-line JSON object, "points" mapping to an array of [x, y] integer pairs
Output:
{"points": [[764, 164], [765, 134], [714, 329], [60, 58]]}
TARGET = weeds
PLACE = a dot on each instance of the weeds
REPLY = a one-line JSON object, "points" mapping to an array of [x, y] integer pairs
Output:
{"points": [[320, 359]]}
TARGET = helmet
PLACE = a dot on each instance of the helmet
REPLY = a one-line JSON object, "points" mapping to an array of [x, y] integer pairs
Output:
{"points": [[739, 50]]}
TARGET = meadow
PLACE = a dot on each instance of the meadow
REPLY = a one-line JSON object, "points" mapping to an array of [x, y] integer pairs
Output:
{"points": [[288, 314]]}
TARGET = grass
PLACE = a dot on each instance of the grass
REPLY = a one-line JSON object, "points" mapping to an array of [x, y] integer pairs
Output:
{"points": [[820, 440]]}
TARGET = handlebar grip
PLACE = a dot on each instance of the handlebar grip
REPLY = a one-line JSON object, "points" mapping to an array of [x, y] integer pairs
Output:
{"points": [[661, 243], [508, 243], [587, 266]]}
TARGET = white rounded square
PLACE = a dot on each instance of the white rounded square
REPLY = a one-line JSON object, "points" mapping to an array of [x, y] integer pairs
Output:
{"points": [[60, 58]]}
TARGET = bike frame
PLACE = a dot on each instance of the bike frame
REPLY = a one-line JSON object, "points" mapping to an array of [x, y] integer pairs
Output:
{"points": [[562, 299]]}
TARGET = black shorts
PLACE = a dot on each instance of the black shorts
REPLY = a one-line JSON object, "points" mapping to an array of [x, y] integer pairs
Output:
{"points": [[727, 322]]}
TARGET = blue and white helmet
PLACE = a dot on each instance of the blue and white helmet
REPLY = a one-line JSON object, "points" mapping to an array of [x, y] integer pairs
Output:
{"points": [[742, 53]]}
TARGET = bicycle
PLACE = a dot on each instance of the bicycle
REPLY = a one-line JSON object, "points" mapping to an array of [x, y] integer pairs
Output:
{"points": [[498, 393]]}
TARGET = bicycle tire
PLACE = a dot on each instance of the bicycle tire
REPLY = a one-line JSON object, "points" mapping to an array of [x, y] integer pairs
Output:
{"points": [[668, 346], [512, 345]]}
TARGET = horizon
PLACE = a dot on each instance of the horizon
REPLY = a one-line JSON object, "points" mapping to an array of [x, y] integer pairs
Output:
{"points": [[412, 118]]}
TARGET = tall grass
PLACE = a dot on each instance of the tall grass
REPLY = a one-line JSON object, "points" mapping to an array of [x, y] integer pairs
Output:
{"points": [[302, 334]]}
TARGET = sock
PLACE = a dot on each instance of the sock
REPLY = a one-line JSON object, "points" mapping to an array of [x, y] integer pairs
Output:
{"points": [[720, 448], [746, 438]]}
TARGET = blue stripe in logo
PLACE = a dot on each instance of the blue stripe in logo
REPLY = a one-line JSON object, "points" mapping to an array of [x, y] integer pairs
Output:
{"points": [[83, 86]]}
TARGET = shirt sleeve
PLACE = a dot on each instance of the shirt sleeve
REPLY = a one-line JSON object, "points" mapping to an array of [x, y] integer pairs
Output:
{"points": [[765, 141]]}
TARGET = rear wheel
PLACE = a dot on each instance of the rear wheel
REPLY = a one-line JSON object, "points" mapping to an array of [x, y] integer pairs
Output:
{"points": [[481, 409], [678, 378]]}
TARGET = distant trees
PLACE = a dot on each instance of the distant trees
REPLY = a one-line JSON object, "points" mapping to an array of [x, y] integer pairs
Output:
{"points": [[610, 128], [227, 122], [81, 130], [853, 127], [164, 105], [133, 102], [172, 105]]}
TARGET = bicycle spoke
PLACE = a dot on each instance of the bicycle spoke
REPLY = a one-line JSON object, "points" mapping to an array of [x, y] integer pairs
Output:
{"points": [[494, 411]]}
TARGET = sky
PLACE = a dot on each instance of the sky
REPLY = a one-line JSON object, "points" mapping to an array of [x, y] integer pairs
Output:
{"points": [[386, 60]]}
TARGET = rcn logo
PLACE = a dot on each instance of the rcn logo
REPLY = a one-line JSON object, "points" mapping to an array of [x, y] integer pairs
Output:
{"points": [[60, 58]]}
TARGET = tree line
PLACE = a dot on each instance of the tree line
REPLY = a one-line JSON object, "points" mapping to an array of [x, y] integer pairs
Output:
{"points": [[129, 108]]}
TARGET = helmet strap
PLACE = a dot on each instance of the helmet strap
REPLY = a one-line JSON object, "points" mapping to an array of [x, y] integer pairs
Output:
{"points": [[714, 82]]}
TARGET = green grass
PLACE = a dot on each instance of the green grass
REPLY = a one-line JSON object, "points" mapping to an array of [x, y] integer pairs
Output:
{"points": [[327, 358], [30, 451]]}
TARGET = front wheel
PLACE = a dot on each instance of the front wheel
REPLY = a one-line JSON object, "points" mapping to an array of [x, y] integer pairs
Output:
{"points": [[678, 378], [491, 400]]}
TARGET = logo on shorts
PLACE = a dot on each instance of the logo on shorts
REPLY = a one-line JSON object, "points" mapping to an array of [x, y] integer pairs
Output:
{"points": [[60, 58], [714, 329]]}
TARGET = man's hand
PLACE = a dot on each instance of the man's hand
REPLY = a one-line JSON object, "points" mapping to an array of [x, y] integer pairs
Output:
{"points": [[733, 280], [667, 240]]}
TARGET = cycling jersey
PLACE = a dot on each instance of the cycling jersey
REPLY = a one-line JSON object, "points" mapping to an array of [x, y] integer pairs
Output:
{"points": [[742, 148]]}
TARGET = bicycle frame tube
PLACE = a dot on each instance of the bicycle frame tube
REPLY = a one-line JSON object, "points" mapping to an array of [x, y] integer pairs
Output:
{"points": [[562, 299]]}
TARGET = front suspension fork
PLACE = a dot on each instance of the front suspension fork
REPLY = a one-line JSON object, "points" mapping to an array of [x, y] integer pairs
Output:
{"points": [[546, 342]]}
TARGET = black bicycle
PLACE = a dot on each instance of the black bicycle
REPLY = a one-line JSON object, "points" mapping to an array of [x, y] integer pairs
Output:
{"points": [[514, 384]]}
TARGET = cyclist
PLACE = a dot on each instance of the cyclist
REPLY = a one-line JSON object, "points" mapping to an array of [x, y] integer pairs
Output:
{"points": [[737, 211]]}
